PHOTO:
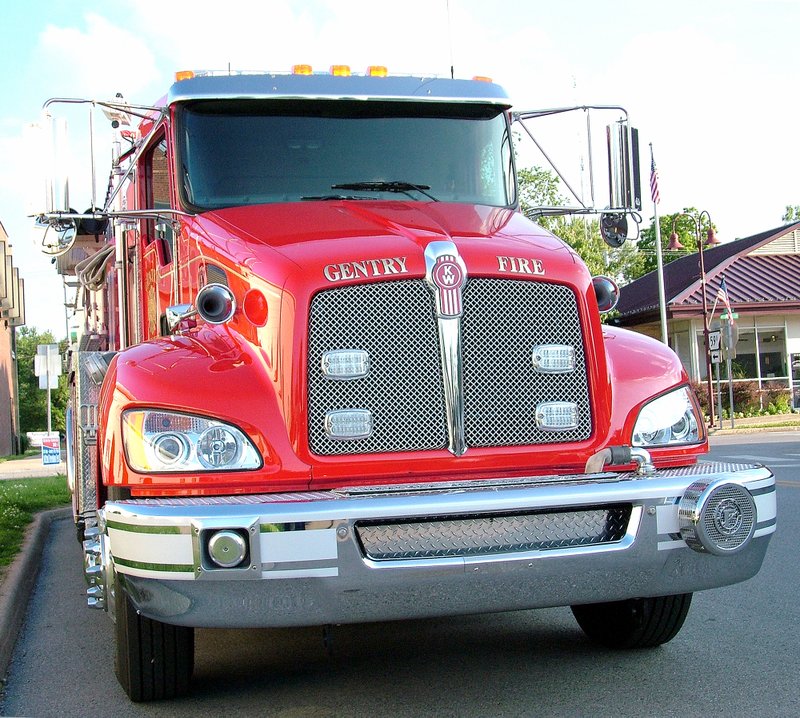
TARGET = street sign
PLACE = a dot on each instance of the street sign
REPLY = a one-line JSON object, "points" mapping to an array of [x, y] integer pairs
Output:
{"points": [[716, 356], [730, 336], [47, 365], [714, 340]]}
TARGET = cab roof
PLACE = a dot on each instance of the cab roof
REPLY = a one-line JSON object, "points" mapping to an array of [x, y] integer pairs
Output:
{"points": [[325, 86]]}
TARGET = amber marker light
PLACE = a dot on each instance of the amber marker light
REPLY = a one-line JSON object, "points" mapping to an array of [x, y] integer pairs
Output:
{"points": [[340, 70], [255, 307], [482, 78], [377, 71], [301, 69], [184, 75]]}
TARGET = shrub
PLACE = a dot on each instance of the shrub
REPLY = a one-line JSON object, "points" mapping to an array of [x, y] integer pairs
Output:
{"points": [[745, 397], [776, 397]]}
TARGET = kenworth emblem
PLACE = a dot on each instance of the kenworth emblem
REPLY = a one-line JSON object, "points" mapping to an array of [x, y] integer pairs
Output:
{"points": [[446, 275]]}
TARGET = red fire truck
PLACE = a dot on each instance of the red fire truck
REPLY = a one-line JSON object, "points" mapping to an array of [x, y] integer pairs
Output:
{"points": [[328, 372]]}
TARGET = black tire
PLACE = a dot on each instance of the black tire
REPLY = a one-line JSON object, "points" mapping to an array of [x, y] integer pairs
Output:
{"points": [[635, 623], [154, 660]]}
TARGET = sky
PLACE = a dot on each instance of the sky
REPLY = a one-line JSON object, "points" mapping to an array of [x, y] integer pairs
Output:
{"points": [[712, 84]]}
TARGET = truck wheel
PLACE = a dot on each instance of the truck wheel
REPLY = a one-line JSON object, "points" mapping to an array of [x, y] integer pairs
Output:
{"points": [[635, 623], [154, 660]]}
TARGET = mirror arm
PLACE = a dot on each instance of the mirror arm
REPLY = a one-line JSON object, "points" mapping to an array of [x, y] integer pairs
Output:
{"points": [[553, 165]]}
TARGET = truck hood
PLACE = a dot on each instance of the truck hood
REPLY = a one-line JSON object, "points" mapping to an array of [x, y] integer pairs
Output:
{"points": [[324, 239]]}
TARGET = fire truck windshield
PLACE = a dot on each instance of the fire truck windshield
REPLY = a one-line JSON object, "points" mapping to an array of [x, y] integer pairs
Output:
{"points": [[244, 152]]}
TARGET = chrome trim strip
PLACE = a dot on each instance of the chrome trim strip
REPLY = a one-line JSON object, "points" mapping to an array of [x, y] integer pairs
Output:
{"points": [[446, 275], [450, 341], [456, 499]]}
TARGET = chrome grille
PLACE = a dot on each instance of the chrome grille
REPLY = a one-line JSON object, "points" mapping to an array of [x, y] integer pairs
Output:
{"points": [[394, 323], [491, 534], [503, 321]]}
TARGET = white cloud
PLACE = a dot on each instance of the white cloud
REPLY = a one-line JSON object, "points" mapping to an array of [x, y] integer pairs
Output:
{"points": [[98, 60]]}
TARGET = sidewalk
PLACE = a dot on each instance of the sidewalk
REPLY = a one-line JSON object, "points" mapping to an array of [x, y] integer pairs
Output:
{"points": [[753, 424], [29, 468]]}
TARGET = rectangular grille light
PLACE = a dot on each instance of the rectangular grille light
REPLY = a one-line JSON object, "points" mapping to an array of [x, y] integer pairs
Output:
{"points": [[557, 415], [344, 364], [344, 424], [554, 358]]}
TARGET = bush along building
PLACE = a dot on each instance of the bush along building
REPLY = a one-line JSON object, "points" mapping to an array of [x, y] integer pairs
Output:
{"points": [[761, 275]]}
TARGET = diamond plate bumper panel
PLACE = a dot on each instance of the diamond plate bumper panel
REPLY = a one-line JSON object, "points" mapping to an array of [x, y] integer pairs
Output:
{"points": [[482, 535]]}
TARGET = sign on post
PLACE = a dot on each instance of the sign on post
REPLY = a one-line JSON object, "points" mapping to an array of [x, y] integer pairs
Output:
{"points": [[51, 450], [47, 365], [714, 343]]}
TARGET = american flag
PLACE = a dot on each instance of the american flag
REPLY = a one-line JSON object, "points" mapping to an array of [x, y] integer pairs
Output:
{"points": [[722, 294], [654, 181]]}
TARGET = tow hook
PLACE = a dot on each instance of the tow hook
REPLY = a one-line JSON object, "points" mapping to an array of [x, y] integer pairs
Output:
{"points": [[619, 456]]}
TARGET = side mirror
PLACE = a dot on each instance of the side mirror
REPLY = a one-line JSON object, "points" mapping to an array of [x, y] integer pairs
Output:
{"points": [[614, 228], [625, 187], [59, 236], [56, 179]]}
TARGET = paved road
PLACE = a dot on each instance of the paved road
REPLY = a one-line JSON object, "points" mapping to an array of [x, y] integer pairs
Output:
{"points": [[736, 655]]}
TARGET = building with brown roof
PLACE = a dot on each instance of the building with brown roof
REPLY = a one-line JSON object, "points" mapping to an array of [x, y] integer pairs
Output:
{"points": [[762, 276]]}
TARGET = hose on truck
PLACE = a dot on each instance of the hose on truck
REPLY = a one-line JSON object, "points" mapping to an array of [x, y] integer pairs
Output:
{"points": [[91, 271]]}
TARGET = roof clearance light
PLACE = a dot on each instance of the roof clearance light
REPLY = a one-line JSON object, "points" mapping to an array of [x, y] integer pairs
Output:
{"points": [[482, 78], [184, 75], [377, 71], [340, 70], [301, 69]]}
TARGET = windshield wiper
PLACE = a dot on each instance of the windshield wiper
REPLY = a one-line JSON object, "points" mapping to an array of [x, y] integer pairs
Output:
{"points": [[329, 197], [395, 186]]}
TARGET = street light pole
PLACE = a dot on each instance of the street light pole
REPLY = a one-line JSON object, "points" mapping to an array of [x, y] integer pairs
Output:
{"points": [[711, 240]]}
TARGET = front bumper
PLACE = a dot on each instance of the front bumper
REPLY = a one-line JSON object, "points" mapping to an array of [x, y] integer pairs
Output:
{"points": [[387, 553]]}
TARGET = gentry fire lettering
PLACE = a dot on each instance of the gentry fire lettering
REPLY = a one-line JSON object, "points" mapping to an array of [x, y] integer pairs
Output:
{"points": [[365, 268]]}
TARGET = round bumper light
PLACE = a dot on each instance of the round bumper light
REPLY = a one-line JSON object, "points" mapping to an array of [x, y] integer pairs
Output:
{"points": [[717, 517], [227, 548]]}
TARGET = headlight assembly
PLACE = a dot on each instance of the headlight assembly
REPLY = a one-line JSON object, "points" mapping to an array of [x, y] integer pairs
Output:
{"points": [[165, 441], [669, 419]]}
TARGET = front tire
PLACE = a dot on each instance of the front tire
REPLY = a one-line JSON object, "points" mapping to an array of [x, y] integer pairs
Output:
{"points": [[635, 623], [154, 660]]}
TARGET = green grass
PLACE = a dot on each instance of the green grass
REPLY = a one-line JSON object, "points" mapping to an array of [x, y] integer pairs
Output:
{"points": [[19, 500]]}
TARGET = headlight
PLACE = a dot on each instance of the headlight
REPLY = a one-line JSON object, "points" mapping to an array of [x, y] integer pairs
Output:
{"points": [[158, 441], [670, 419]]}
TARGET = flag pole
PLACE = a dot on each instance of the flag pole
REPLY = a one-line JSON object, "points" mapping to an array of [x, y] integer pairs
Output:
{"points": [[662, 302]]}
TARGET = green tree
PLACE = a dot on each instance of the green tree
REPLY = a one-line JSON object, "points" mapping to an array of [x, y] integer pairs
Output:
{"points": [[32, 399], [622, 264], [792, 214], [538, 187], [685, 228]]}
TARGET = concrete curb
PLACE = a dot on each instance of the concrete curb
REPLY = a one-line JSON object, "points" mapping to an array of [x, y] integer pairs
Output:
{"points": [[19, 580]]}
